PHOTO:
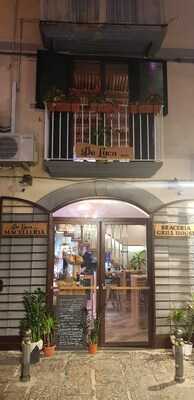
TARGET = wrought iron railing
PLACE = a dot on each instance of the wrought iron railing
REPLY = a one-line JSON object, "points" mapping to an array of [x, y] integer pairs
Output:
{"points": [[124, 134]]}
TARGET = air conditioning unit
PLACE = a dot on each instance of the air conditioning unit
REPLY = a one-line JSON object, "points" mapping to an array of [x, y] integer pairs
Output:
{"points": [[17, 148]]}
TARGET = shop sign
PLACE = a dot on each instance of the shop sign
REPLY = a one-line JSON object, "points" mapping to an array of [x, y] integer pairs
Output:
{"points": [[24, 229], [175, 230], [91, 151]]}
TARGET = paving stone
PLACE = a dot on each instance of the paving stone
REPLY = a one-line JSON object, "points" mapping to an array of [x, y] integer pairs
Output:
{"points": [[109, 375], [111, 392]]}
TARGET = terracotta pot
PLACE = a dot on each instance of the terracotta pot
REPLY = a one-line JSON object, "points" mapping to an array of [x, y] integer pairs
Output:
{"points": [[75, 107], [157, 108], [133, 108], [63, 106], [94, 107], [49, 350], [146, 108], [102, 107], [92, 348]]}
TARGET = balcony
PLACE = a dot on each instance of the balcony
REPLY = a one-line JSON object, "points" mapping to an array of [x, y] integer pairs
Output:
{"points": [[102, 140], [103, 27]]}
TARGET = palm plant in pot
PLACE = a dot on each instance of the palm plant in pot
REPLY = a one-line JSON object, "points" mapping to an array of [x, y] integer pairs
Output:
{"points": [[138, 261], [49, 325], [34, 309]]}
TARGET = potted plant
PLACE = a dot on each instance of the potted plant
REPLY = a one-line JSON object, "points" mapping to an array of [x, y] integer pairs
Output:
{"points": [[49, 325], [93, 335], [138, 261], [34, 308], [184, 318], [57, 100], [176, 318], [188, 328]]}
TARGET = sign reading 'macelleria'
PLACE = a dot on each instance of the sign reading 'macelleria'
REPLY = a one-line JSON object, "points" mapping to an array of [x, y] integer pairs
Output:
{"points": [[24, 229], [175, 230]]}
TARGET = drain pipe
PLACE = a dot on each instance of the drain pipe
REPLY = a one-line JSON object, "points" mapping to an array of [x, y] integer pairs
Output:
{"points": [[13, 106]]}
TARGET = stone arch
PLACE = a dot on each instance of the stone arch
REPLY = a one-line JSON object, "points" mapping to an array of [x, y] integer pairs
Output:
{"points": [[116, 190]]}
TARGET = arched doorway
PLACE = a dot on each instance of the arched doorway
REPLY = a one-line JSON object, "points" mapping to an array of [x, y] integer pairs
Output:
{"points": [[103, 264]]}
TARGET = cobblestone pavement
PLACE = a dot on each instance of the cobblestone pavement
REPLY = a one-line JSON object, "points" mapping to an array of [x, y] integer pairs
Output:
{"points": [[108, 375]]}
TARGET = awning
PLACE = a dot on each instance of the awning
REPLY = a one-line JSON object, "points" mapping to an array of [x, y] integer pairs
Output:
{"points": [[103, 39]]}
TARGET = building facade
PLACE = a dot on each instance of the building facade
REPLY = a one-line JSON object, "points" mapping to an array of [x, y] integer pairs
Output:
{"points": [[96, 177]]}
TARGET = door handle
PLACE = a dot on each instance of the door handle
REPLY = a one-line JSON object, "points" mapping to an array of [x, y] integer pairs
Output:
{"points": [[103, 287]]}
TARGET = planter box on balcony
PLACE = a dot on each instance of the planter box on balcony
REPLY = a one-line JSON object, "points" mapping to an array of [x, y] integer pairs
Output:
{"points": [[144, 108], [102, 108], [108, 108], [133, 108], [157, 108], [62, 106]]}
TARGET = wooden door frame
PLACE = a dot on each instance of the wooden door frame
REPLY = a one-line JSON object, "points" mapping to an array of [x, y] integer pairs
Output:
{"points": [[100, 223], [151, 314]]}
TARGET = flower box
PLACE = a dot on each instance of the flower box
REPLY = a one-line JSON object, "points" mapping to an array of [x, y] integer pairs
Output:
{"points": [[62, 106], [108, 108], [133, 108], [146, 108], [157, 108], [102, 107]]}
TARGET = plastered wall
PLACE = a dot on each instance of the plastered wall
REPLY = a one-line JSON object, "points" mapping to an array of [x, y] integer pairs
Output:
{"points": [[19, 31]]}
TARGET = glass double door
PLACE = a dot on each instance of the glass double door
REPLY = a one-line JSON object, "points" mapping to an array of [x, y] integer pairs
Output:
{"points": [[105, 264]]}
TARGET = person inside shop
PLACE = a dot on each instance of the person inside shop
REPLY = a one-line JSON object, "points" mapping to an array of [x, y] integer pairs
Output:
{"points": [[112, 295], [89, 262], [65, 266]]}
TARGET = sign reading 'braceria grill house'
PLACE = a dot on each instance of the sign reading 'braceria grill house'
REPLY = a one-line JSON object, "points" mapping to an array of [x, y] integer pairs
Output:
{"points": [[175, 230], [91, 151], [24, 229]]}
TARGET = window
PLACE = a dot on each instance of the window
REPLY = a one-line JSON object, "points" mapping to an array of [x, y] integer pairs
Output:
{"points": [[86, 78], [116, 82], [122, 11]]}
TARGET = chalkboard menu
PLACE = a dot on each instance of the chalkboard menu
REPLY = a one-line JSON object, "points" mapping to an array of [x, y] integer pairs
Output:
{"points": [[71, 320]]}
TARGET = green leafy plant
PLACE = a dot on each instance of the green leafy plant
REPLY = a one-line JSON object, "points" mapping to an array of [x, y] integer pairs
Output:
{"points": [[98, 135], [54, 94], [153, 98], [176, 318], [183, 318], [138, 260], [188, 321], [34, 307], [93, 332], [49, 325]]}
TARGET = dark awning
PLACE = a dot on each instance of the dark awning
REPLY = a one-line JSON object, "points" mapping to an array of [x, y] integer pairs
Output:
{"points": [[103, 39]]}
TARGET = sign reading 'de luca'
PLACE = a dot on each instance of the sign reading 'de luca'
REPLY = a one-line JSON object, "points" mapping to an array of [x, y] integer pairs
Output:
{"points": [[175, 230], [83, 150], [25, 229]]}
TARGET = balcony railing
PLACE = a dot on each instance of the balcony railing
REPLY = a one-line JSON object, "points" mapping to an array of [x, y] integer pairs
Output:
{"points": [[128, 133]]}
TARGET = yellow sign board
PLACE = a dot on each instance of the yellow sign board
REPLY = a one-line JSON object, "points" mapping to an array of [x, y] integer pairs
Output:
{"points": [[24, 229], [91, 151], [175, 230]]}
